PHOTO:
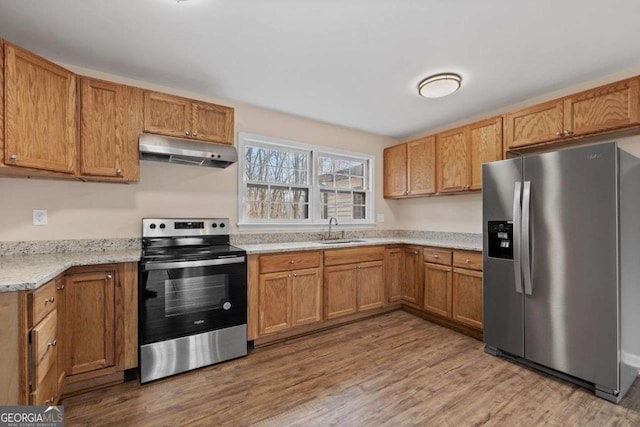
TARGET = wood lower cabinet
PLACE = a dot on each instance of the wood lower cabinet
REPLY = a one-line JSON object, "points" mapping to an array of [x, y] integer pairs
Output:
{"points": [[437, 289], [371, 286], [394, 263], [340, 290], [288, 297], [395, 171], [40, 130], [185, 118], [467, 297], [412, 280], [110, 124], [90, 321]]}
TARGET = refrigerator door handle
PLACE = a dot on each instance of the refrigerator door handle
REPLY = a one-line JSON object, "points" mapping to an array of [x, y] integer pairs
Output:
{"points": [[517, 225], [526, 237]]}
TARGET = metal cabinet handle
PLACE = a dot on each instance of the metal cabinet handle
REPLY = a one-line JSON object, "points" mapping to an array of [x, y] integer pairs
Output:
{"points": [[467, 260], [568, 132], [415, 252], [13, 157], [559, 133], [289, 275], [109, 276], [295, 274], [52, 343], [186, 132], [436, 256], [49, 300], [60, 288], [118, 171], [50, 400], [195, 133]]}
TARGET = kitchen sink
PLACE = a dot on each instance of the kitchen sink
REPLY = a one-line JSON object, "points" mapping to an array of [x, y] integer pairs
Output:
{"points": [[339, 241]]}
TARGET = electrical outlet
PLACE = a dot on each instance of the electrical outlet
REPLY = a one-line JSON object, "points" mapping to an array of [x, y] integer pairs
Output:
{"points": [[380, 218], [39, 217]]}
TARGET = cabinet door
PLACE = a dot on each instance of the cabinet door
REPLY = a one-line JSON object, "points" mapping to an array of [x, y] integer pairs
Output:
{"points": [[453, 160], [275, 302], [467, 297], [307, 297], [421, 166], [485, 139], [411, 284], [90, 321], [371, 285], [212, 122], [340, 291], [437, 289], [395, 171], [167, 115], [110, 124], [62, 339], [536, 124], [608, 107], [40, 113], [394, 268]]}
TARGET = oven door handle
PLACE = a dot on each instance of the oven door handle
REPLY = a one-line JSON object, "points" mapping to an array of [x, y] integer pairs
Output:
{"points": [[148, 266]]}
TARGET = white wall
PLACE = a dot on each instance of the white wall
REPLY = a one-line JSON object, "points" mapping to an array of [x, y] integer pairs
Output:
{"points": [[98, 210]]}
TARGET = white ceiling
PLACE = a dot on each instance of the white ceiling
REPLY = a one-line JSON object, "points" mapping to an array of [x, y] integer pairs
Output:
{"points": [[354, 63]]}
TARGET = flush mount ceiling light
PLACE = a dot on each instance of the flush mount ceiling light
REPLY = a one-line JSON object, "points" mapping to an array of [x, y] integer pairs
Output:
{"points": [[439, 85]]}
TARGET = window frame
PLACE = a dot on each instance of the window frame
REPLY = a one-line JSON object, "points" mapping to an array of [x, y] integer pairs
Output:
{"points": [[314, 202]]}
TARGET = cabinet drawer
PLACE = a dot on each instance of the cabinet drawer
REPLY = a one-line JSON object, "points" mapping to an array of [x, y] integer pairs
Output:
{"points": [[43, 346], [41, 302], [45, 392], [437, 256], [468, 259], [289, 261], [353, 255]]}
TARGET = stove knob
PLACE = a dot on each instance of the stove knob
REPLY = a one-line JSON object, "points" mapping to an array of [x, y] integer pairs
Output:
{"points": [[226, 305], [152, 226], [163, 226], [214, 225], [222, 225]]}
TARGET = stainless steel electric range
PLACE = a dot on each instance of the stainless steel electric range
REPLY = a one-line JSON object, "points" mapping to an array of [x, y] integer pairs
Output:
{"points": [[192, 296]]}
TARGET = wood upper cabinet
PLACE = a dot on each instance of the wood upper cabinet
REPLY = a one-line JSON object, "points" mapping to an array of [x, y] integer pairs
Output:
{"points": [[306, 297], [340, 291], [275, 302], [371, 286], [394, 270], [421, 166], [437, 289], [467, 297], [110, 123], [181, 117], [535, 124], [453, 160], [607, 107], [412, 281], [90, 321], [596, 110], [395, 171], [40, 113], [485, 143]]}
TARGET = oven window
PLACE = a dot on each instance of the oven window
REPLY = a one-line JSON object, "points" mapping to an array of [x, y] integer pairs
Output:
{"points": [[190, 295]]}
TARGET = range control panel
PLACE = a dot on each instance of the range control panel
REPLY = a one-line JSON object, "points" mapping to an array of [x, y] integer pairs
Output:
{"points": [[179, 227], [500, 239]]}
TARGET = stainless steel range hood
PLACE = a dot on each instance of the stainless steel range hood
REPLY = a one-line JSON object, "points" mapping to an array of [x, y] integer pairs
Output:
{"points": [[186, 151]]}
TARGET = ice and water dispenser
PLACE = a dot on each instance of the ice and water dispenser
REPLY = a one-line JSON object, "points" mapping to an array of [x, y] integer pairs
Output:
{"points": [[500, 239]]}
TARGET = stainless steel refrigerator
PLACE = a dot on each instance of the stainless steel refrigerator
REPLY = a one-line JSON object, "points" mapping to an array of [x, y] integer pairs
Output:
{"points": [[562, 264]]}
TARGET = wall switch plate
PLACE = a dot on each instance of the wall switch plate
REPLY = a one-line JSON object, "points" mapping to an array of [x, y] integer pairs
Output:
{"points": [[380, 217], [39, 217]]}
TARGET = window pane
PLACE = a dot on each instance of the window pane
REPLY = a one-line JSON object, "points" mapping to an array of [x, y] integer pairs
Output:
{"points": [[300, 210], [357, 182], [326, 180], [279, 211], [300, 195], [326, 165], [256, 210], [342, 181], [358, 212], [358, 198]]}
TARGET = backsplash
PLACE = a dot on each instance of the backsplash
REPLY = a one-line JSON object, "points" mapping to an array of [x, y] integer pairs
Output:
{"points": [[35, 247]]}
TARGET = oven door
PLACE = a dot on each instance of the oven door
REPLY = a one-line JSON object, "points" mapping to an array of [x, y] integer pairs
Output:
{"points": [[191, 297]]}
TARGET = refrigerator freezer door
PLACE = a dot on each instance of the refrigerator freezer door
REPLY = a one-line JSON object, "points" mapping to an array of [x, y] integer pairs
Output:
{"points": [[571, 316], [502, 303]]}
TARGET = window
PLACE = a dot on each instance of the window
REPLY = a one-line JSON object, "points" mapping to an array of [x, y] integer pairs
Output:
{"points": [[283, 182]]}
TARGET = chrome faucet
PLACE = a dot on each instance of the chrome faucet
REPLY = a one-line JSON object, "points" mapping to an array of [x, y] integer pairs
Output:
{"points": [[331, 221]]}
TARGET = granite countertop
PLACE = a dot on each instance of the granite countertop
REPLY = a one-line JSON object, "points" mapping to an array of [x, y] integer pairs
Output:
{"points": [[305, 246], [26, 272]]}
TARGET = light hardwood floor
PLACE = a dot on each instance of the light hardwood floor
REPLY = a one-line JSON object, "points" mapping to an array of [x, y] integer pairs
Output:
{"points": [[394, 369]]}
